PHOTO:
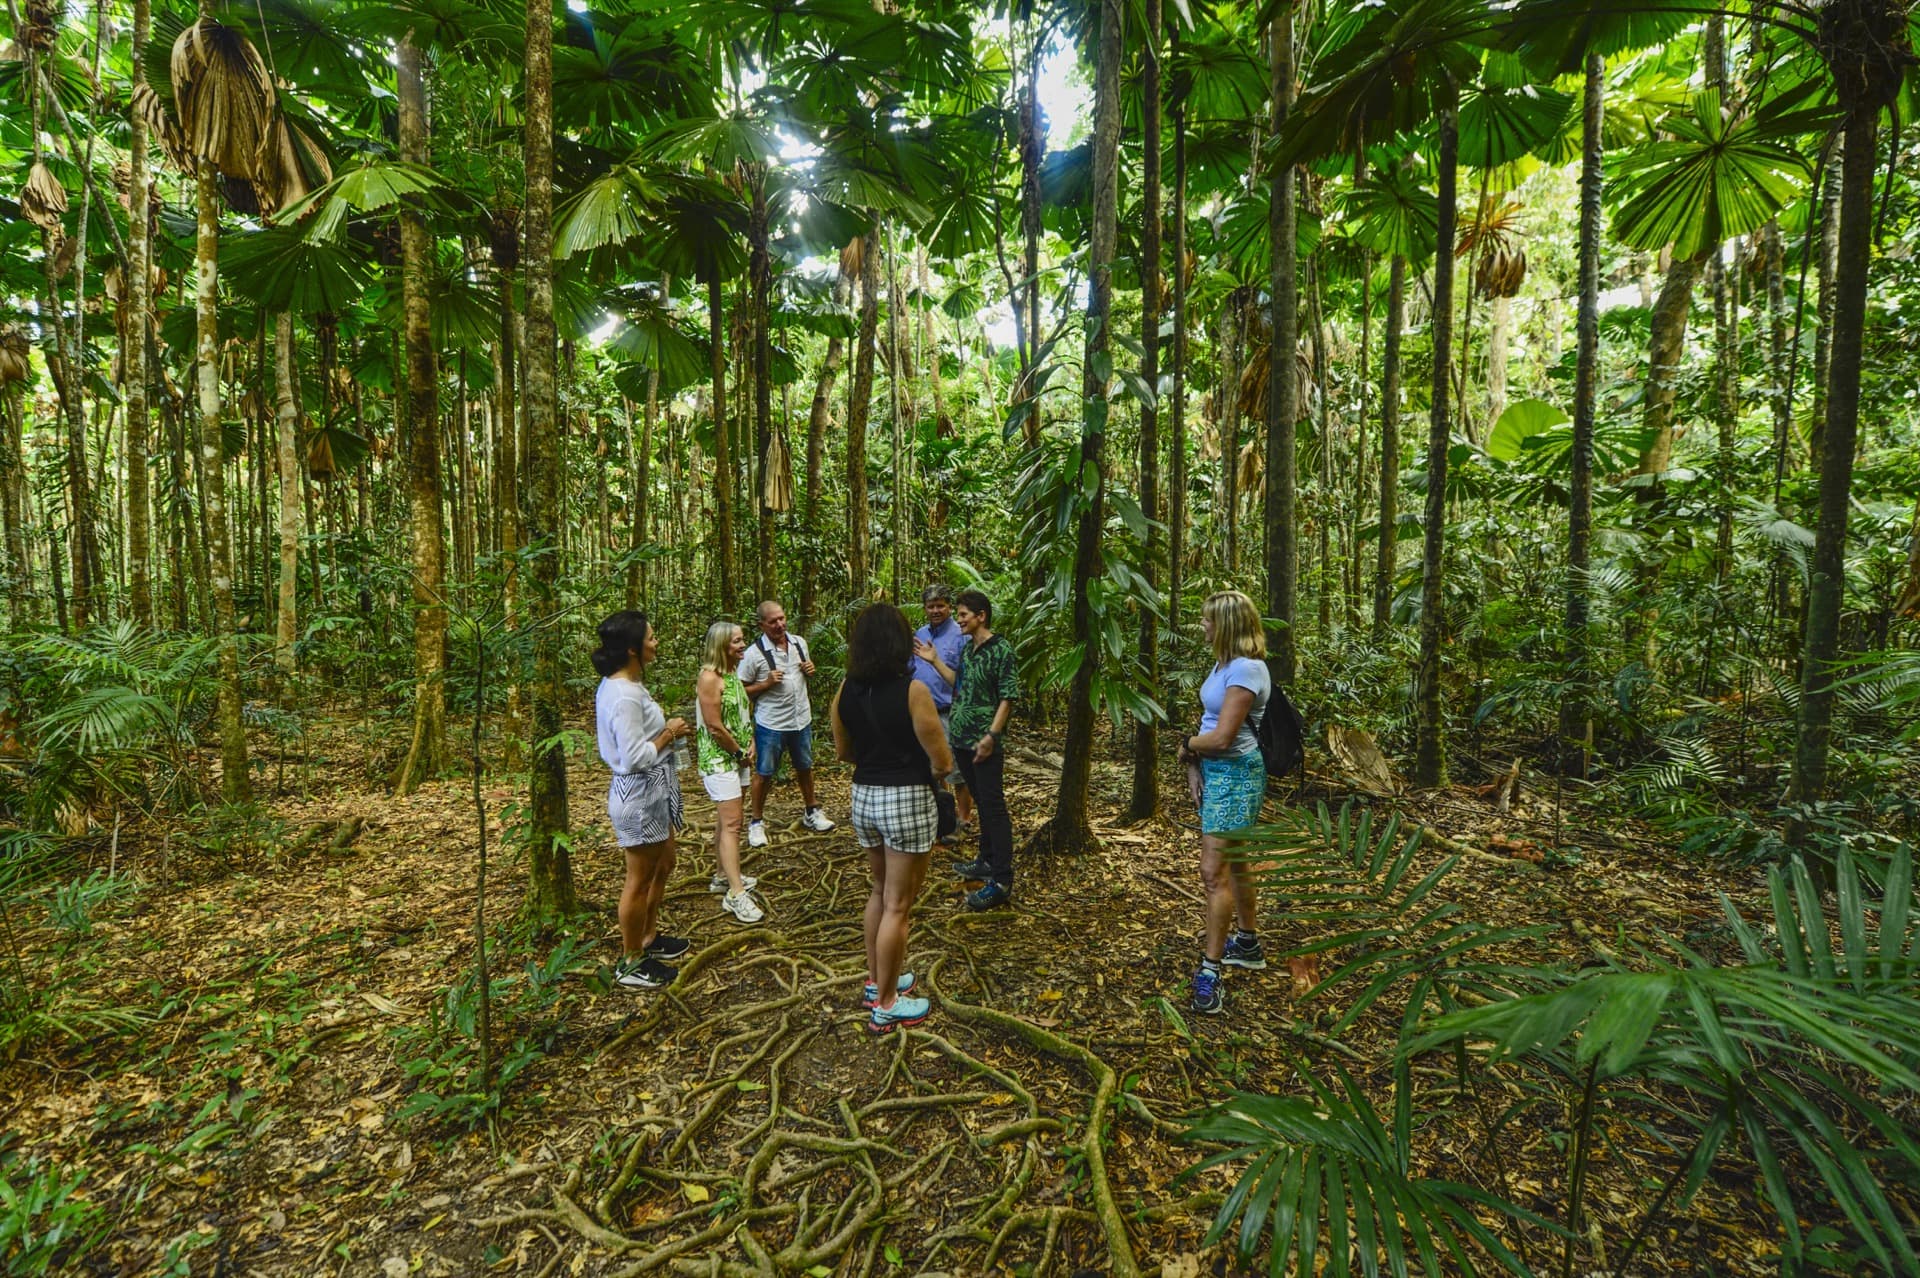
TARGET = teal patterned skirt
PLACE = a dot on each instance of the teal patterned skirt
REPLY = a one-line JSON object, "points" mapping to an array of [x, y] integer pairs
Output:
{"points": [[1231, 792]]}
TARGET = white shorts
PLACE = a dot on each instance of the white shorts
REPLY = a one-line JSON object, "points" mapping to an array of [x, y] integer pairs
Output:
{"points": [[722, 786]]}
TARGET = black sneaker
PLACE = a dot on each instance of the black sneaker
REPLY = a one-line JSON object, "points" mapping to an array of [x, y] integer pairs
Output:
{"points": [[989, 896], [1208, 997], [1244, 953], [975, 871], [668, 947], [643, 974]]}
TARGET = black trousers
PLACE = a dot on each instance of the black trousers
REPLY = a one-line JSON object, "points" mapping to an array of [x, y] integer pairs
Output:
{"points": [[987, 782]]}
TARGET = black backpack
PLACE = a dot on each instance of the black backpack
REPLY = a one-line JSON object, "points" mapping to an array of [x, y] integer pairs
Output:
{"points": [[1282, 736]]}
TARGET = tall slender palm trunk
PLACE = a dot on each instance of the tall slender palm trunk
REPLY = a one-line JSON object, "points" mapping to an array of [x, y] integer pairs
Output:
{"points": [[235, 785], [1146, 737], [1283, 379], [1430, 744], [550, 868], [286, 444], [139, 302], [1177, 401], [1576, 728], [1069, 830], [426, 751], [859, 406]]}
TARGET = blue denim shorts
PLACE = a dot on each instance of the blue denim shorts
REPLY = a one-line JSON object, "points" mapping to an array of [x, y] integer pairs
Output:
{"points": [[769, 742]]}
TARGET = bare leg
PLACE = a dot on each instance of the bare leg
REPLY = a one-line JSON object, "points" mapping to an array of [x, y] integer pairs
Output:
{"points": [[876, 906], [1215, 877], [637, 907], [726, 840], [760, 787], [1246, 896], [654, 890], [806, 786], [905, 872], [963, 803]]}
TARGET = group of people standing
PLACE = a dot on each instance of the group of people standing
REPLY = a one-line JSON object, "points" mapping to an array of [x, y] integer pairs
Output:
{"points": [[920, 712]]}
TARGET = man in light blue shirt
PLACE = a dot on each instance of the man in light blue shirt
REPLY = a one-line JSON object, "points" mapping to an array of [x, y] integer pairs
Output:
{"points": [[936, 660]]}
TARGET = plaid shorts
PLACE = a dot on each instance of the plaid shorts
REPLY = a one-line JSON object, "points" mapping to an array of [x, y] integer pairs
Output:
{"points": [[902, 817]]}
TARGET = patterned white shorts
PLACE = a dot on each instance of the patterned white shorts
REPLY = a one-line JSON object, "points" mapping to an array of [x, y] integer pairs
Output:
{"points": [[902, 817], [644, 806]]}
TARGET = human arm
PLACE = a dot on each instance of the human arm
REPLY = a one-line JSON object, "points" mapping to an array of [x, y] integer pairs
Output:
{"points": [[757, 673], [990, 740], [842, 739], [924, 649], [806, 662], [1234, 709], [638, 747], [713, 712], [926, 727]]}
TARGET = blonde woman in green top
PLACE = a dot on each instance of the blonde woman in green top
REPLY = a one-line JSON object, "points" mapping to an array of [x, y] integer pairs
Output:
{"points": [[725, 722]]}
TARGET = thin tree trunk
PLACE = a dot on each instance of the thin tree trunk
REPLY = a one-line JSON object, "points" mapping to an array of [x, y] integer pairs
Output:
{"points": [[426, 751], [139, 302], [1666, 345], [506, 481], [760, 280], [722, 453], [1826, 264], [1576, 727], [1430, 749], [859, 403], [896, 505], [1499, 327], [1177, 443], [1233, 337], [286, 452], [1386, 552], [1826, 567], [817, 418], [13, 505], [550, 893], [1070, 831], [1146, 737], [235, 785], [1779, 390], [1283, 381]]}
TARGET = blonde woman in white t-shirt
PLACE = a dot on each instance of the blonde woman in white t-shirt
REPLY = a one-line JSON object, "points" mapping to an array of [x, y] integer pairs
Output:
{"points": [[643, 800]]}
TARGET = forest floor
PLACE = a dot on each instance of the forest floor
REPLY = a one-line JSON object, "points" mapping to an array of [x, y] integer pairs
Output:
{"points": [[291, 1105]]}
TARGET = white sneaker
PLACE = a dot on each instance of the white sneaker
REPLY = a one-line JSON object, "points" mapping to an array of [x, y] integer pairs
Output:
{"points": [[756, 834], [742, 907], [718, 883], [816, 820]]}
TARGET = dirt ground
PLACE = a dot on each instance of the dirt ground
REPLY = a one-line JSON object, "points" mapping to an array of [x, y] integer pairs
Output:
{"points": [[290, 1103]]}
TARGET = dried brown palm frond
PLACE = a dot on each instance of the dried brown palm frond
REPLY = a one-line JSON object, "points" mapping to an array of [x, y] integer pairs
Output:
{"points": [[15, 366], [43, 199], [291, 166], [161, 127], [777, 492], [320, 462], [1254, 381], [224, 97], [65, 253], [1253, 471], [853, 257], [503, 236], [1494, 237], [40, 24]]}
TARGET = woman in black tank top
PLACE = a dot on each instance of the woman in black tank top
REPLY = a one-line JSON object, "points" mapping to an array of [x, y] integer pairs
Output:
{"points": [[885, 724]]}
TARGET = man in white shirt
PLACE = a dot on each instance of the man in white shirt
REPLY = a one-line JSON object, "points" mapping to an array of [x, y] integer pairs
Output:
{"points": [[775, 671]]}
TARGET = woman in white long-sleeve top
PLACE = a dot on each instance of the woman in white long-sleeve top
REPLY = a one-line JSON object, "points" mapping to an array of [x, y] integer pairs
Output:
{"points": [[643, 800]]}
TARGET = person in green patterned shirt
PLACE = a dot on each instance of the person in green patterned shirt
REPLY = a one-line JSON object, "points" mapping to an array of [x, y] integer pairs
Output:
{"points": [[725, 726], [983, 697]]}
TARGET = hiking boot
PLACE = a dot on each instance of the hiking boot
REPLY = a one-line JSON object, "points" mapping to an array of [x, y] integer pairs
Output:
{"points": [[667, 947], [643, 974], [1208, 997], [1244, 953], [756, 834], [817, 821], [905, 1011], [870, 993], [974, 871], [718, 883], [989, 896], [741, 905]]}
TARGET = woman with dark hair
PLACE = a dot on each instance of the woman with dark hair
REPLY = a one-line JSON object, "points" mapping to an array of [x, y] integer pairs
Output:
{"points": [[885, 724], [643, 801]]}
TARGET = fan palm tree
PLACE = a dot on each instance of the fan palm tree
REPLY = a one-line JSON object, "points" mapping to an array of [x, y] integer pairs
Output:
{"points": [[223, 102]]}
